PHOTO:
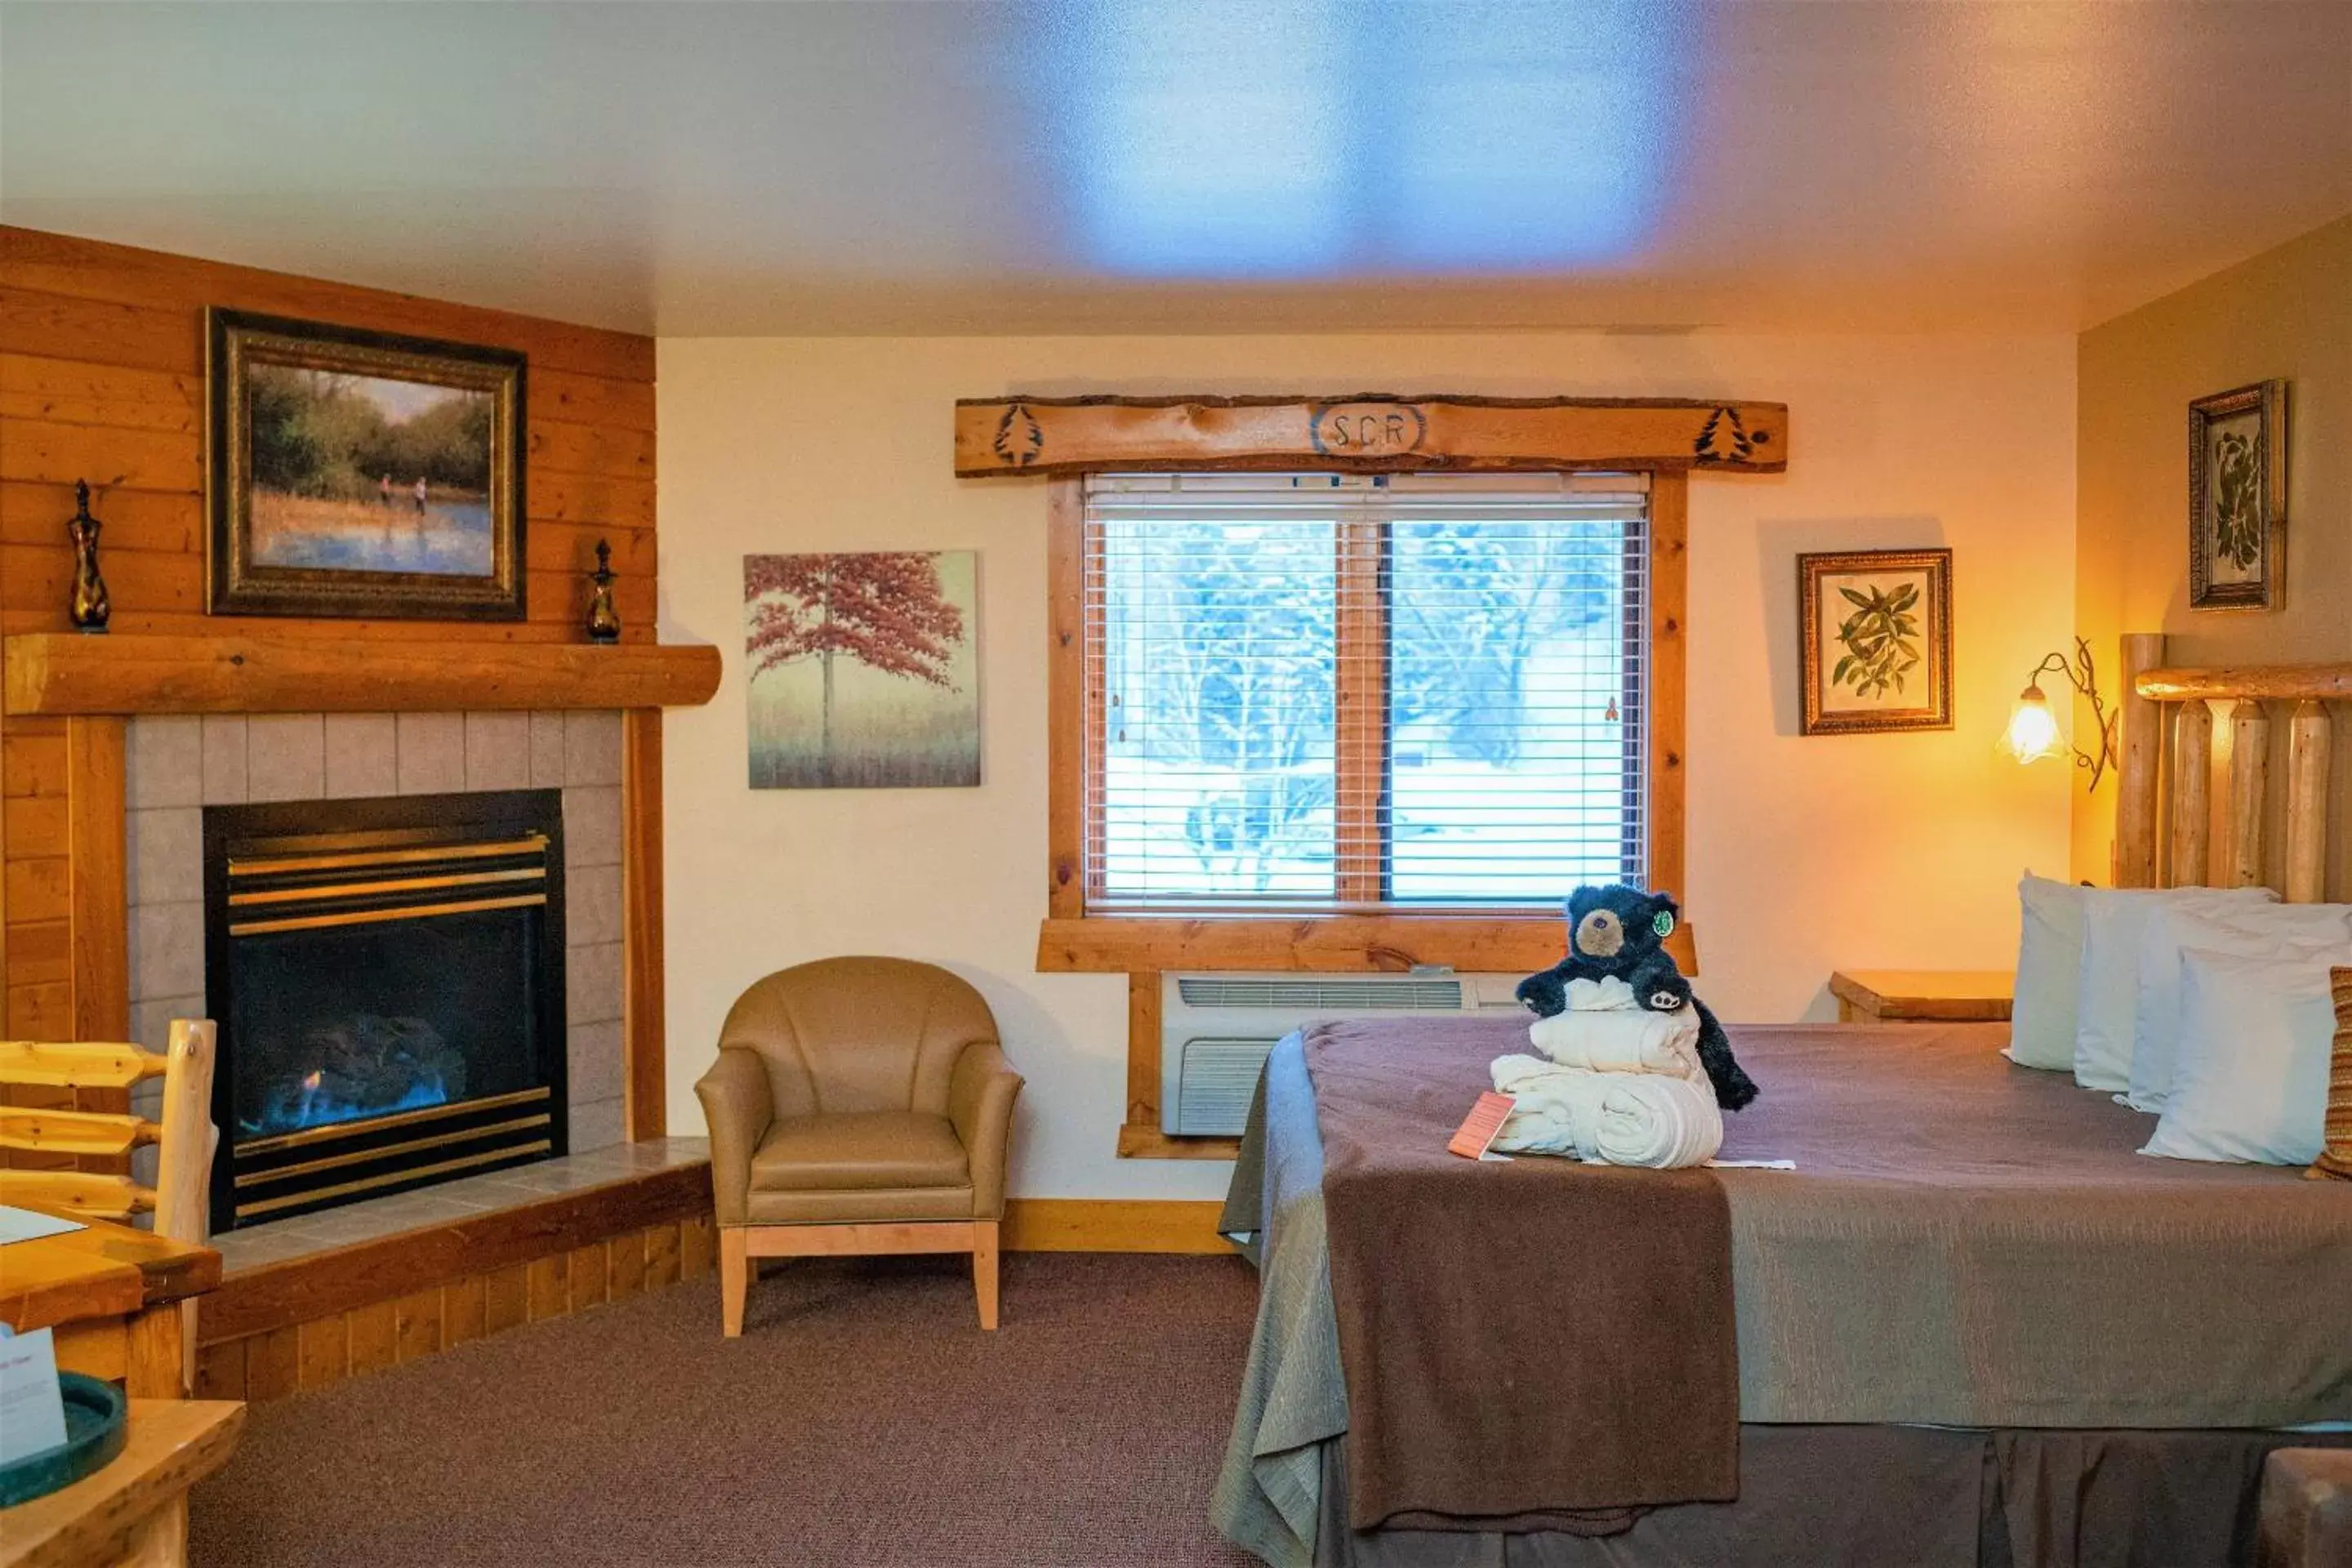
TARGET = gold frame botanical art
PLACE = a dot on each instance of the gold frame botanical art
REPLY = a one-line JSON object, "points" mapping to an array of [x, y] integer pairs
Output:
{"points": [[2237, 498], [380, 545], [1875, 641]]}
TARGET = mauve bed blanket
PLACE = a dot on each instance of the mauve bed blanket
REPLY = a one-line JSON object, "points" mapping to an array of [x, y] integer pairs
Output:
{"points": [[1522, 1337], [1965, 1242]]}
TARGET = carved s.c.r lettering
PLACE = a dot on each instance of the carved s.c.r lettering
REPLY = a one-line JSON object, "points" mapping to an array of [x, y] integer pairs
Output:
{"points": [[1366, 429]]}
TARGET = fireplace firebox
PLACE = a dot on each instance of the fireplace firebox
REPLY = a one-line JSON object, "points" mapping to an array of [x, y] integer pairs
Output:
{"points": [[388, 979]]}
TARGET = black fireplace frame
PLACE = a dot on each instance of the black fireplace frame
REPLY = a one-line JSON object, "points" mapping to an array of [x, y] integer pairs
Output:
{"points": [[377, 824]]}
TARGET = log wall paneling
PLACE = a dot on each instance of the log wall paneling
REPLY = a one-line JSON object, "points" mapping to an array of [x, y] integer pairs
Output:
{"points": [[101, 378]]}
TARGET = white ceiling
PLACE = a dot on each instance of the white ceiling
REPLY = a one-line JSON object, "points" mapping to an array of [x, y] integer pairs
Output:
{"points": [[1197, 164]]}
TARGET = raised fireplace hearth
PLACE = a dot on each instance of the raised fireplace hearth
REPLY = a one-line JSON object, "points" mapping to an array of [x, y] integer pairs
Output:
{"points": [[388, 975]]}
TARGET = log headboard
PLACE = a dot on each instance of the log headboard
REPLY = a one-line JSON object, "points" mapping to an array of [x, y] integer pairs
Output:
{"points": [[2215, 775]]}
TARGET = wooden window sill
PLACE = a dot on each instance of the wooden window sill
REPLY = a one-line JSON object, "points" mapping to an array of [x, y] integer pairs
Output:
{"points": [[1147, 1143], [1311, 943]]}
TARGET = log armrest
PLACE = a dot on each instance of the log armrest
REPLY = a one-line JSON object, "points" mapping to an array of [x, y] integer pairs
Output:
{"points": [[980, 1092], [736, 1103]]}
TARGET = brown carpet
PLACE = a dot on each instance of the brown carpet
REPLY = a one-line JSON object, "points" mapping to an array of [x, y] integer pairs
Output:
{"points": [[862, 1419]]}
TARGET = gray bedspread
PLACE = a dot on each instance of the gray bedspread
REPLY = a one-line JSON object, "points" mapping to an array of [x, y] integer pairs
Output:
{"points": [[1965, 1242]]}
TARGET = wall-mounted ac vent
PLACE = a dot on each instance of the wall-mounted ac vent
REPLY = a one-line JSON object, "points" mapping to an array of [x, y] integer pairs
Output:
{"points": [[1215, 1080], [1216, 1029], [1337, 994]]}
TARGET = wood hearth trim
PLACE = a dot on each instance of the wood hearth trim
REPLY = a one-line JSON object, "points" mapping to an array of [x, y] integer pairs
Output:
{"points": [[644, 1068], [60, 673], [400, 1329], [306, 1290]]}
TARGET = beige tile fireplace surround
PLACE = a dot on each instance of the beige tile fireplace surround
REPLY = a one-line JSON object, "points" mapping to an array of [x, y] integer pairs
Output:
{"points": [[178, 764]]}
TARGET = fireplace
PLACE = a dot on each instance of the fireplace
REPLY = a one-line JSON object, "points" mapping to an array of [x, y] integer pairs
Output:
{"points": [[388, 979]]}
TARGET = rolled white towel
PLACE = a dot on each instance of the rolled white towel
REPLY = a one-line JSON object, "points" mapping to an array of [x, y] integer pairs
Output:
{"points": [[1622, 1040], [1618, 1118]]}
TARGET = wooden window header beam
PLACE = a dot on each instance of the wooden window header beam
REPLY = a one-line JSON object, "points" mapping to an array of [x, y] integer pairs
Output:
{"points": [[1366, 433]]}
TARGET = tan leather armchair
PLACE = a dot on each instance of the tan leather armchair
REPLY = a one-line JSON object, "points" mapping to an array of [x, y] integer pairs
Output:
{"points": [[858, 1105]]}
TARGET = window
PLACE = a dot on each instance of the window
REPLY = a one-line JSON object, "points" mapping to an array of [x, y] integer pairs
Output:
{"points": [[1329, 693]]}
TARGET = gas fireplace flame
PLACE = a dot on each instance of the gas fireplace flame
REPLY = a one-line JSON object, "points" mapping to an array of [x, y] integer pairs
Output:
{"points": [[368, 1066]]}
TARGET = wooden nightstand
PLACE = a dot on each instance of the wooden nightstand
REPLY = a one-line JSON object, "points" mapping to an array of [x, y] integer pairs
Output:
{"points": [[1922, 995]]}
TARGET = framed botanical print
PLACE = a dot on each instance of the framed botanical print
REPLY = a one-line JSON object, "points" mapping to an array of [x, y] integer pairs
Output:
{"points": [[358, 473], [1877, 630], [2237, 498]]}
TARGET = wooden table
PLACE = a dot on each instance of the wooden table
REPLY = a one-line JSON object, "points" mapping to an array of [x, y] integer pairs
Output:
{"points": [[113, 1295], [1922, 995], [135, 1511]]}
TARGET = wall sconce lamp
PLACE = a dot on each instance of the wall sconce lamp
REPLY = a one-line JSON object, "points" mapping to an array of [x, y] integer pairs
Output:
{"points": [[2033, 734]]}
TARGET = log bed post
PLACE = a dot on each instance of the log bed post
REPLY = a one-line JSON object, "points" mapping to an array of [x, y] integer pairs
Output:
{"points": [[2192, 792], [2249, 775], [2143, 751], [2308, 740]]}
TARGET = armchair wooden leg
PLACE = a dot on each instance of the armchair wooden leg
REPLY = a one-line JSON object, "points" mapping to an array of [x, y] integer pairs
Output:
{"points": [[734, 1278], [983, 1269]]}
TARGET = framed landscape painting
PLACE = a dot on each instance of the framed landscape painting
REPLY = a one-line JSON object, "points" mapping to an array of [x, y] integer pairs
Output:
{"points": [[864, 672], [356, 473], [2237, 498], [1877, 630]]}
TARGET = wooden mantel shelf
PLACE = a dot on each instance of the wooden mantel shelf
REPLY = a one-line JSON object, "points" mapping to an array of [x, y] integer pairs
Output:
{"points": [[63, 673]]}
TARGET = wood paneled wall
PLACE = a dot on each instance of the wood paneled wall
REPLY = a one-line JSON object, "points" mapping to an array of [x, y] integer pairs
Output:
{"points": [[101, 378]]}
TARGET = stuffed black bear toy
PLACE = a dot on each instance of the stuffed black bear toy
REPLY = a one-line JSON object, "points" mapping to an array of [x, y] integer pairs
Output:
{"points": [[1621, 931]]}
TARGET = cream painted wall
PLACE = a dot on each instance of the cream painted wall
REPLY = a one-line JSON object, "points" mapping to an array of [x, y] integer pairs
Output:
{"points": [[1805, 855], [2284, 313]]}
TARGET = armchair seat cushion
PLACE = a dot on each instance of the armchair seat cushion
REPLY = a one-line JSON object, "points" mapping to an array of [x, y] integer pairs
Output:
{"points": [[859, 1150]]}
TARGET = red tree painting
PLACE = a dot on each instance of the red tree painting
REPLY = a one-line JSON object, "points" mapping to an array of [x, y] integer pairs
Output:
{"points": [[889, 612]]}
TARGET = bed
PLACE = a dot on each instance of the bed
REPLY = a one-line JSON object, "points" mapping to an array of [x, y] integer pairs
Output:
{"points": [[1973, 1327]]}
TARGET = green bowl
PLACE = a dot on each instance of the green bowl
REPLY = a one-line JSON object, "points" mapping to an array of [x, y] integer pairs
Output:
{"points": [[95, 1432]]}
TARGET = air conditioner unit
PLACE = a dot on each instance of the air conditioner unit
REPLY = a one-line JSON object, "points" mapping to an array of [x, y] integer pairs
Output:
{"points": [[1216, 1029]]}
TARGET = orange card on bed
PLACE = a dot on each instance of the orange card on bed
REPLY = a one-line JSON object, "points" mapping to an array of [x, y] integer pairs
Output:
{"points": [[1479, 1128]]}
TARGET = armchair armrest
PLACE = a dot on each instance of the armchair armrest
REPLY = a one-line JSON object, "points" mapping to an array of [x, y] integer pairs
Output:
{"points": [[979, 1104], [737, 1104]]}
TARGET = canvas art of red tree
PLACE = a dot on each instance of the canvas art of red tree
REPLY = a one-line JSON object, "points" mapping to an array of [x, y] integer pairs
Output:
{"points": [[886, 609]]}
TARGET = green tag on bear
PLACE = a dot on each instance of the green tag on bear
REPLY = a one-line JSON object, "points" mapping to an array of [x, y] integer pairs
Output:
{"points": [[1663, 924]]}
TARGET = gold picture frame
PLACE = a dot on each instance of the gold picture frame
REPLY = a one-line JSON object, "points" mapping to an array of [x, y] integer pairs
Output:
{"points": [[1875, 634], [352, 473], [2237, 498]]}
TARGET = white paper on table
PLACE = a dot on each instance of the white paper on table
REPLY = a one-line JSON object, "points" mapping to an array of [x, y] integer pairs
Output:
{"points": [[27, 1225], [32, 1411], [1753, 1165]]}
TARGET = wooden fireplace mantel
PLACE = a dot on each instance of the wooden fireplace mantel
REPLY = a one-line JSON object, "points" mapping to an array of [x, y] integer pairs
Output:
{"points": [[63, 673]]}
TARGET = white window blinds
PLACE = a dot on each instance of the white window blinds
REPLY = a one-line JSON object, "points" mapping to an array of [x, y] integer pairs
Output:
{"points": [[1314, 692]]}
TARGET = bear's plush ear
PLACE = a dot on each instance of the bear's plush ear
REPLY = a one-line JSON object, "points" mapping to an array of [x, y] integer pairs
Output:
{"points": [[1660, 912], [1582, 902]]}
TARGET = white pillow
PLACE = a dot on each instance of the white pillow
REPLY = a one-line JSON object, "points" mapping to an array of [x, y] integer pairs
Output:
{"points": [[2250, 1085], [2258, 930], [2041, 1018], [2112, 922]]}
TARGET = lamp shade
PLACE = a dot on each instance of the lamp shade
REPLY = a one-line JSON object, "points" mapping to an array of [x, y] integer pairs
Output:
{"points": [[2032, 732]]}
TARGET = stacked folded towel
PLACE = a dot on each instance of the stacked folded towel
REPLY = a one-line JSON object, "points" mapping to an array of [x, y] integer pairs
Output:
{"points": [[1614, 1084]]}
